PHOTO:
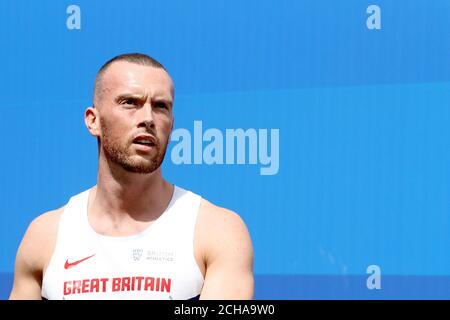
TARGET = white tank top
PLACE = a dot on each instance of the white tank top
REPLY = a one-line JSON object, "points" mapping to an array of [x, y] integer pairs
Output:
{"points": [[158, 263]]}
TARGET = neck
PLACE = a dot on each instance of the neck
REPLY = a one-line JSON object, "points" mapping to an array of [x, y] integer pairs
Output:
{"points": [[120, 193]]}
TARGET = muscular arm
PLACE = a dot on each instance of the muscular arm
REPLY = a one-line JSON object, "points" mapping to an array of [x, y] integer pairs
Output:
{"points": [[26, 276], [228, 257], [32, 256]]}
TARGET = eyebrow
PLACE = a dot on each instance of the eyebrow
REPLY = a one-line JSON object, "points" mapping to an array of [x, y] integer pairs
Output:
{"points": [[142, 97], [124, 96]]}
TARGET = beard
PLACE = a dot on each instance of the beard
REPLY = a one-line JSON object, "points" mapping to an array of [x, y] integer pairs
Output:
{"points": [[120, 153]]}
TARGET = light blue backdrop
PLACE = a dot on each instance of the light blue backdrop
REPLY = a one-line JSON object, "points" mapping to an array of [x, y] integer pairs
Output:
{"points": [[363, 118]]}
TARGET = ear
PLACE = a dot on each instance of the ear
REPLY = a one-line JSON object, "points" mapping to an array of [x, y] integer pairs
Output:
{"points": [[92, 121]]}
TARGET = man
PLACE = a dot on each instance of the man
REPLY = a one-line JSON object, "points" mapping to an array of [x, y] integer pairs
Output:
{"points": [[134, 235]]}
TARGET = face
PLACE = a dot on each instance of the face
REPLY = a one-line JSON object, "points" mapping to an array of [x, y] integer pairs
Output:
{"points": [[132, 116]]}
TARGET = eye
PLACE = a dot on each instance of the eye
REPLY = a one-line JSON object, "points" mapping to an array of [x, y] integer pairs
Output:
{"points": [[161, 105], [128, 101]]}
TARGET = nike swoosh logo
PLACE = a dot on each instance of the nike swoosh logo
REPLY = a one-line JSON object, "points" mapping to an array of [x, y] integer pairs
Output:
{"points": [[68, 264]]}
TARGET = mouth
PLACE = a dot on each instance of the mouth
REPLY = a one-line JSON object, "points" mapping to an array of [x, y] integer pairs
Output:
{"points": [[145, 140], [145, 143]]}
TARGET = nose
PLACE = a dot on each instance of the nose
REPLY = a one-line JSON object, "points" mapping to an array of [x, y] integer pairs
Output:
{"points": [[146, 117]]}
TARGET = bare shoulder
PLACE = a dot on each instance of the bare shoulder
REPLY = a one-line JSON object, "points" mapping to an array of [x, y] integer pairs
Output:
{"points": [[33, 255], [221, 229], [218, 219], [227, 253], [44, 225], [39, 239], [47, 219]]}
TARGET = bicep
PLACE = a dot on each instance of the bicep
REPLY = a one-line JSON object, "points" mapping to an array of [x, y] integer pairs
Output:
{"points": [[228, 283], [29, 262], [26, 284]]}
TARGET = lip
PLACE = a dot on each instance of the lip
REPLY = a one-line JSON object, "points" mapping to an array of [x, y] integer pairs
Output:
{"points": [[142, 147], [147, 137]]}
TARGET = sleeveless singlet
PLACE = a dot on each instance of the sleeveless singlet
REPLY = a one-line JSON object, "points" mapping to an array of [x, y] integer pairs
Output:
{"points": [[157, 263]]}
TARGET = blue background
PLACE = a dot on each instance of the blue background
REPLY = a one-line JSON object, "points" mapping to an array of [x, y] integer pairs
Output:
{"points": [[363, 117]]}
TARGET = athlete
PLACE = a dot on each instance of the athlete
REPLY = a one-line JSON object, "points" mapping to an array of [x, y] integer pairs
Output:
{"points": [[134, 235]]}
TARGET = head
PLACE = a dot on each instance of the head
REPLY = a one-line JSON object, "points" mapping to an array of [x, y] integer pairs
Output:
{"points": [[132, 114]]}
